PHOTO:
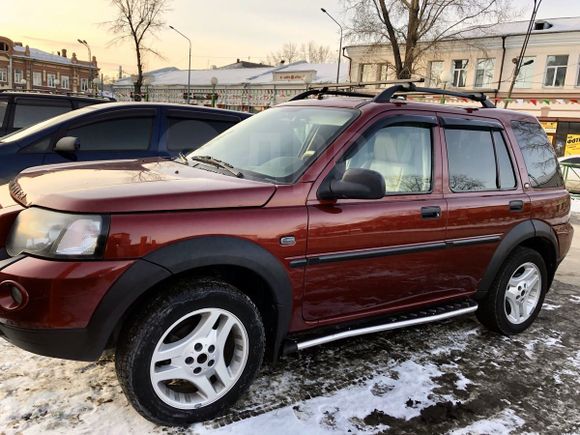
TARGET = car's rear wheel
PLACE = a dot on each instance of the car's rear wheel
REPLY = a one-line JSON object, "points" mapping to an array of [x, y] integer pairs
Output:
{"points": [[190, 352], [516, 296]]}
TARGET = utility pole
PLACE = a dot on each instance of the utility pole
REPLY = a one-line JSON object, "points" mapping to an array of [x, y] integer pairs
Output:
{"points": [[188, 67], [519, 61], [339, 46]]}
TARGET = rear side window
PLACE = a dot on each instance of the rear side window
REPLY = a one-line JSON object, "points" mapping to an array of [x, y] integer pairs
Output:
{"points": [[478, 160], [29, 111], [114, 134], [189, 134], [540, 158], [3, 107]]}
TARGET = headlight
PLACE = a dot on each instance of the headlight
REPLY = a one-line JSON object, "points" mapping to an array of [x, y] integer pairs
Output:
{"points": [[52, 234]]}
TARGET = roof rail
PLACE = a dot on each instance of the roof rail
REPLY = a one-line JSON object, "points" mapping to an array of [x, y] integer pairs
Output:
{"points": [[325, 91], [62, 94], [387, 94]]}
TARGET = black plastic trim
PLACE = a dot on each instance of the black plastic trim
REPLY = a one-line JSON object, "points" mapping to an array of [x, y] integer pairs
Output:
{"points": [[394, 250], [469, 123], [516, 236]]}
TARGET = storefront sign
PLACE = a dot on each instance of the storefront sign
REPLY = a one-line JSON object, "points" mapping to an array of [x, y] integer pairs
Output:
{"points": [[572, 145], [549, 126]]}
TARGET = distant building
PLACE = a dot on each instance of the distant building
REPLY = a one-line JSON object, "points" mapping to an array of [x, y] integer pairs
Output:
{"points": [[548, 86], [239, 86], [25, 68]]}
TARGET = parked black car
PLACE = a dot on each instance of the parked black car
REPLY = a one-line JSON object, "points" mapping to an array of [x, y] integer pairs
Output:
{"points": [[113, 131], [19, 109]]}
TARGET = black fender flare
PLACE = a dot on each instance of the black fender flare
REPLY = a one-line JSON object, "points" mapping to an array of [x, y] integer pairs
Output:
{"points": [[516, 236], [187, 255]]}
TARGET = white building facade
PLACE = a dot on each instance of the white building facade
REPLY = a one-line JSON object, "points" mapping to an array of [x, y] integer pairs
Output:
{"points": [[548, 86]]}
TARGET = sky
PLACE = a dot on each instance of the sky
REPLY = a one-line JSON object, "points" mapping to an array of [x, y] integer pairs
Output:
{"points": [[221, 30]]}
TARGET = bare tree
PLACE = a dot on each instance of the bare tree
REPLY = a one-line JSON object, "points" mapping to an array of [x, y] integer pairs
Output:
{"points": [[291, 52], [136, 20], [314, 53], [412, 27]]}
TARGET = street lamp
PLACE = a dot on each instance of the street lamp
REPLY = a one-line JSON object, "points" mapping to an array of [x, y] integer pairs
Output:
{"points": [[86, 44], [214, 82], [444, 79], [188, 66], [339, 47]]}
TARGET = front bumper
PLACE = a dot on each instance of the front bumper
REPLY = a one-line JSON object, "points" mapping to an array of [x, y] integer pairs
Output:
{"points": [[74, 307]]}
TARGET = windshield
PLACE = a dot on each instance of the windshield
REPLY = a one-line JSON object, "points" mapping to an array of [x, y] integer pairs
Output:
{"points": [[17, 135], [278, 144]]}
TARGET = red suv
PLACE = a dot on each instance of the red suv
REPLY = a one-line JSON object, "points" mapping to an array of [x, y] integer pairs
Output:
{"points": [[313, 221]]}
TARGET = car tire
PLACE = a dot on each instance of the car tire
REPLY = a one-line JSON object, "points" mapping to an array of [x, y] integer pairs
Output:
{"points": [[517, 294], [190, 352]]}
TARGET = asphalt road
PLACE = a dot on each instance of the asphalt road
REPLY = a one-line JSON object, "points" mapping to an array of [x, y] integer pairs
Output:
{"points": [[451, 377]]}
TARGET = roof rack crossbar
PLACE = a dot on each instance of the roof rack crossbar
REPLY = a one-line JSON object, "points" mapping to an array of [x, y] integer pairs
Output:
{"points": [[325, 91], [389, 93]]}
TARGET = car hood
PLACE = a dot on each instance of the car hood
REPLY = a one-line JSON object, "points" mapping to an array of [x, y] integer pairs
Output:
{"points": [[134, 186]]}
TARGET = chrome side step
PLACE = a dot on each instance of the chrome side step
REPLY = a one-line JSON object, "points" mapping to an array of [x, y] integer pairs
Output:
{"points": [[418, 318]]}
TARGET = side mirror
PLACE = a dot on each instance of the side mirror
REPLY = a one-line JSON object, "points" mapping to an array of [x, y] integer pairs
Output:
{"points": [[354, 184], [67, 145]]}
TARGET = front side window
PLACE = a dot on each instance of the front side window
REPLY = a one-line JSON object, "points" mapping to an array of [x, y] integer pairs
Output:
{"points": [[400, 153], [484, 73], [524, 79], [556, 70], [189, 134], [114, 134], [435, 72], [478, 160], [278, 144], [539, 156], [30, 111], [459, 73], [3, 107], [37, 78]]}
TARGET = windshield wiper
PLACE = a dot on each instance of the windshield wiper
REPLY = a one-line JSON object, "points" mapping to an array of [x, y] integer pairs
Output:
{"points": [[209, 160]]}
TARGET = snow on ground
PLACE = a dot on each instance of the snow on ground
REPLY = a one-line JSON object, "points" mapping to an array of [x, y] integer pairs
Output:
{"points": [[504, 423]]}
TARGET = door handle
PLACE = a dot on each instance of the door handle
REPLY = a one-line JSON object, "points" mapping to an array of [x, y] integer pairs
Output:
{"points": [[430, 212], [516, 205]]}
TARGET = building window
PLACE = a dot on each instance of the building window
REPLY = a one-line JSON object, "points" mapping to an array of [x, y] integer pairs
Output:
{"points": [[18, 76], [369, 72], [459, 73], [84, 85], [435, 72], [50, 80], [64, 82], [524, 79], [556, 70], [3, 75], [484, 73], [36, 78], [578, 76], [4, 46]]}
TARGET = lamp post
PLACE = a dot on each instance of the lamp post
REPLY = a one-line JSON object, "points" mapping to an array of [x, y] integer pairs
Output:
{"points": [[214, 82], [339, 46], [188, 65], [86, 44], [444, 79]]}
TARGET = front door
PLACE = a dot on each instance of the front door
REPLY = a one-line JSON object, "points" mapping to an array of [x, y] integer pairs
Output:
{"points": [[369, 256]]}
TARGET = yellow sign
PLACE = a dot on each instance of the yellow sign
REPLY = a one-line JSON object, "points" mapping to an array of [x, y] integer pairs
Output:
{"points": [[549, 126], [572, 145]]}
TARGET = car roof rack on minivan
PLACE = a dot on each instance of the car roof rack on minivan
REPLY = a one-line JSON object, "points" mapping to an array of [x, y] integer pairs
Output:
{"points": [[389, 93], [58, 94], [386, 95]]}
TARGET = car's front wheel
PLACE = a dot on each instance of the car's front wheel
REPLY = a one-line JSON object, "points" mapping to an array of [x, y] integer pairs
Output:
{"points": [[190, 352], [517, 294]]}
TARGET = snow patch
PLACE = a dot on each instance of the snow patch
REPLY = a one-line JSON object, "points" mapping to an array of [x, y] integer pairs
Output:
{"points": [[575, 205], [550, 307], [505, 422]]}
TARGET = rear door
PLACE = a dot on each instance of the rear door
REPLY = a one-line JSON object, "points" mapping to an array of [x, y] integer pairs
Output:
{"points": [[187, 130], [484, 195], [119, 134], [369, 256]]}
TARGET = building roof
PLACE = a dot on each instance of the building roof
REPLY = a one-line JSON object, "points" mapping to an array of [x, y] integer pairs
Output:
{"points": [[322, 73], [44, 56]]}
